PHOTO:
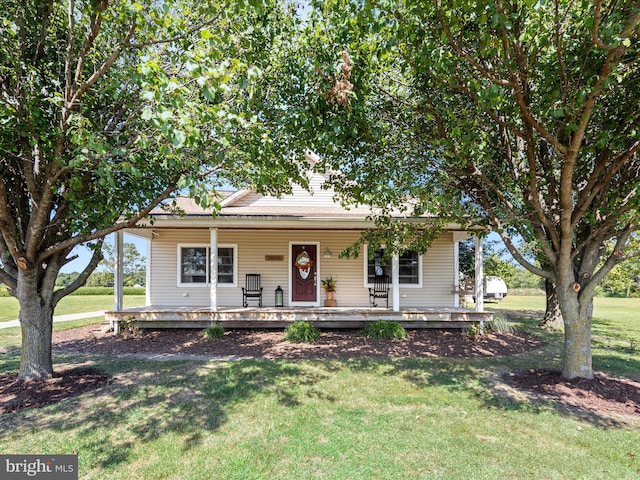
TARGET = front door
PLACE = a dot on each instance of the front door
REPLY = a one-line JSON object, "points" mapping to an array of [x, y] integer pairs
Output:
{"points": [[304, 281]]}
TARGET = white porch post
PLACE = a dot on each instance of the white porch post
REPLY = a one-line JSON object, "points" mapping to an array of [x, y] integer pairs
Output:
{"points": [[456, 273], [213, 234], [147, 282], [118, 274], [395, 281], [479, 275]]}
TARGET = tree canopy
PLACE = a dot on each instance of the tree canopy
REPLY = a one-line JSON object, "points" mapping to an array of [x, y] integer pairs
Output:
{"points": [[519, 115], [110, 107], [133, 264]]}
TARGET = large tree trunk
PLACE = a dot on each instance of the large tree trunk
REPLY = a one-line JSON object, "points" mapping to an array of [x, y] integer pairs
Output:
{"points": [[552, 315], [577, 313], [36, 319]]}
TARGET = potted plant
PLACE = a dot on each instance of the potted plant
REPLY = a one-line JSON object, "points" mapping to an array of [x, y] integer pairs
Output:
{"points": [[329, 285]]}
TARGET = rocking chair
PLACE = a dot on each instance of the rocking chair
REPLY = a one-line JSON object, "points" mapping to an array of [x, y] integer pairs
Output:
{"points": [[380, 290], [252, 289]]}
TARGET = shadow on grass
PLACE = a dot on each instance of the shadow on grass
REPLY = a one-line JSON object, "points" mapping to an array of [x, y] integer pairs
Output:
{"points": [[151, 399], [488, 383], [9, 350], [148, 400], [622, 360]]}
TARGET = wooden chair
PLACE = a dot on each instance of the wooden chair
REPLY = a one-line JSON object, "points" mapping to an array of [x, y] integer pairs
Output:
{"points": [[380, 290], [251, 289]]}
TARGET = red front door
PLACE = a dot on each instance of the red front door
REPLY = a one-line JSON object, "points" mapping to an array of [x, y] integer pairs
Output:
{"points": [[303, 273]]}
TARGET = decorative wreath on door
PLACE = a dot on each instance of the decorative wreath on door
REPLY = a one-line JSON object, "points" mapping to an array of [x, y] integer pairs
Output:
{"points": [[303, 262]]}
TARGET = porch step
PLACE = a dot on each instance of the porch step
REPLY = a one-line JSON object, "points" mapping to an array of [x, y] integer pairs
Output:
{"points": [[105, 327]]}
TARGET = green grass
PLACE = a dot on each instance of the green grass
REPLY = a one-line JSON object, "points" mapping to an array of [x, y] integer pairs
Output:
{"points": [[615, 332], [71, 304], [357, 419]]}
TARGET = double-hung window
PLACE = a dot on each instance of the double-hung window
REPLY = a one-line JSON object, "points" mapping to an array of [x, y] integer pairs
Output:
{"points": [[194, 267], [409, 263]]}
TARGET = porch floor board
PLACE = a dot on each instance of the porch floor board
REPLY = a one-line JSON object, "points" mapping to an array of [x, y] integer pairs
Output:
{"points": [[157, 316]]}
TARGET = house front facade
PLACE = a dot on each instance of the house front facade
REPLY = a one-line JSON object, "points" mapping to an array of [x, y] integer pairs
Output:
{"points": [[292, 243]]}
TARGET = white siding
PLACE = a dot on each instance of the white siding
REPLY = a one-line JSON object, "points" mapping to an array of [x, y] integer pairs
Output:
{"points": [[254, 245], [299, 196], [437, 277], [164, 269]]}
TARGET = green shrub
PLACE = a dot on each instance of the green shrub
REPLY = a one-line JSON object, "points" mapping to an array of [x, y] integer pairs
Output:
{"points": [[215, 330], [474, 331], [500, 324], [127, 326], [301, 332], [384, 330]]}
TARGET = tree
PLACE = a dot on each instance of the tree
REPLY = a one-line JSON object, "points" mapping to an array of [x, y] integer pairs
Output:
{"points": [[521, 116], [133, 264], [624, 279], [100, 279], [65, 279], [493, 263], [110, 107]]}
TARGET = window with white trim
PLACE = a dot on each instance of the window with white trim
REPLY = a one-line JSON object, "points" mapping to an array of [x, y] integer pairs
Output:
{"points": [[377, 266], [410, 267], [194, 265], [226, 266], [194, 268]]}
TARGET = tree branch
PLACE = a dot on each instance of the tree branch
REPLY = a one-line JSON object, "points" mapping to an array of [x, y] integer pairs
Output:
{"points": [[107, 64], [120, 225], [7, 225], [81, 279], [469, 58], [523, 261], [189, 32], [615, 257], [94, 30], [597, 185]]}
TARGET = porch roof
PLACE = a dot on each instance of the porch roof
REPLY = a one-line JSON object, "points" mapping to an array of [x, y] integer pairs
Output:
{"points": [[192, 209], [273, 216]]}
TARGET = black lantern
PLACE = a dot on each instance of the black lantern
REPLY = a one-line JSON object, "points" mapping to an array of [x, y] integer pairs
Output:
{"points": [[279, 297]]}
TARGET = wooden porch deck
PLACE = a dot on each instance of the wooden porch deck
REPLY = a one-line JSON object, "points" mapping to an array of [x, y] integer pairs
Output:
{"points": [[280, 317]]}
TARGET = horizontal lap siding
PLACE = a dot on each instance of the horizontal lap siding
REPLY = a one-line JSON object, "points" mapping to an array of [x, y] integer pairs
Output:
{"points": [[298, 197], [254, 245], [437, 277], [348, 273], [164, 269]]}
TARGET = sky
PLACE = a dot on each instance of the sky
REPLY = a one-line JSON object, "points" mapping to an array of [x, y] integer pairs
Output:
{"points": [[84, 254]]}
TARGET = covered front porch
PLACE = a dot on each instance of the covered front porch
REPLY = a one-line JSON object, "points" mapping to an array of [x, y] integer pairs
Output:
{"points": [[157, 316]]}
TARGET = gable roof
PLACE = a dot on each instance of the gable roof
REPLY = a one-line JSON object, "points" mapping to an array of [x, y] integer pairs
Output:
{"points": [[317, 203], [316, 208]]}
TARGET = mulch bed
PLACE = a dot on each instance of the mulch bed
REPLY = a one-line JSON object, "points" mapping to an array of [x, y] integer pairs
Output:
{"points": [[603, 395], [19, 395], [270, 344]]}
